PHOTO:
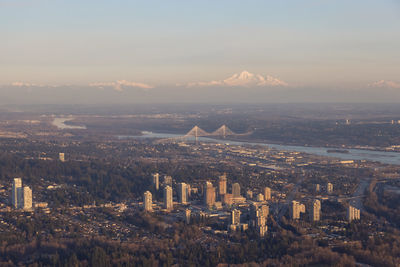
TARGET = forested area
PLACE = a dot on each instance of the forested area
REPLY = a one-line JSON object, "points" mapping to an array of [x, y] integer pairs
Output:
{"points": [[185, 245], [114, 177], [328, 133], [182, 248], [383, 204]]}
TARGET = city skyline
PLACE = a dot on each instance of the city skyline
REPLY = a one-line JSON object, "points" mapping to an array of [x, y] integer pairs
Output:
{"points": [[200, 133], [250, 197]]}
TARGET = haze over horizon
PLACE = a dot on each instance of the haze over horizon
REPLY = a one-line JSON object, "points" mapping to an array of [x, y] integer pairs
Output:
{"points": [[101, 52]]}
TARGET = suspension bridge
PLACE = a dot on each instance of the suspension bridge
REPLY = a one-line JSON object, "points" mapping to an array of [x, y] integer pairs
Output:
{"points": [[196, 132]]}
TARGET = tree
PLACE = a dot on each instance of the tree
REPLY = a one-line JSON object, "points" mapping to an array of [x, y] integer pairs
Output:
{"points": [[99, 257]]}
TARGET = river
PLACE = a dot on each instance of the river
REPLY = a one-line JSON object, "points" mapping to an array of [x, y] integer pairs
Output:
{"points": [[354, 154], [60, 124]]}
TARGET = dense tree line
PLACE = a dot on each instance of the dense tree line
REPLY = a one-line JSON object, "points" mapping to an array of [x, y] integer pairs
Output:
{"points": [[182, 249], [328, 133], [383, 204]]}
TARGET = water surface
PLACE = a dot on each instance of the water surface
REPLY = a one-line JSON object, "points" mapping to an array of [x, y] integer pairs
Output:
{"points": [[386, 157]]}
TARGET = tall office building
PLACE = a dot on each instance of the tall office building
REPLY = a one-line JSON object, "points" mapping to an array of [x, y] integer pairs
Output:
{"points": [[249, 194], [156, 181], [148, 201], [21, 197], [236, 190], [267, 193], [315, 210], [235, 222], [183, 193], [295, 209], [189, 191], [265, 210], [222, 185], [260, 197], [187, 215], [258, 217], [353, 213], [209, 194], [261, 214], [167, 180], [61, 157], [317, 188], [262, 230], [329, 188], [227, 199], [261, 219], [26, 202], [235, 216], [168, 201], [15, 194]]}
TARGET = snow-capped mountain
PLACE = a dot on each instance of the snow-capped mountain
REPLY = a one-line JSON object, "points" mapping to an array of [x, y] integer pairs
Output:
{"points": [[244, 79], [385, 84]]}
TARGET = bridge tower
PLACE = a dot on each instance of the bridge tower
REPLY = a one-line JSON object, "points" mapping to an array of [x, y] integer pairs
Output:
{"points": [[196, 133]]}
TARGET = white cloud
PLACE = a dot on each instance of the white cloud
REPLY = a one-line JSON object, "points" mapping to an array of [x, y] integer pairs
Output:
{"points": [[120, 85], [243, 79], [23, 84], [385, 84]]}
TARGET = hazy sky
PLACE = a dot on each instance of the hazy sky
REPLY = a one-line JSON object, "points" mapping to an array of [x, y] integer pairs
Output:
{"points": [[149, 44]]}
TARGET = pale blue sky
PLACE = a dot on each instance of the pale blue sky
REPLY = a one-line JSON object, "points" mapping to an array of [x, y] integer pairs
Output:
{"points": [[307, 43]]}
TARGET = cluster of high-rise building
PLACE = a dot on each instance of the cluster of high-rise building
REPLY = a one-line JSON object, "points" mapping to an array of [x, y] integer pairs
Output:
{"points": [[256, 214], [214, 198], [329, 188], [183, 193], [21, 196], [235, 221], [258, 219], [314, 210], [218, 197], [295, 209]]}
